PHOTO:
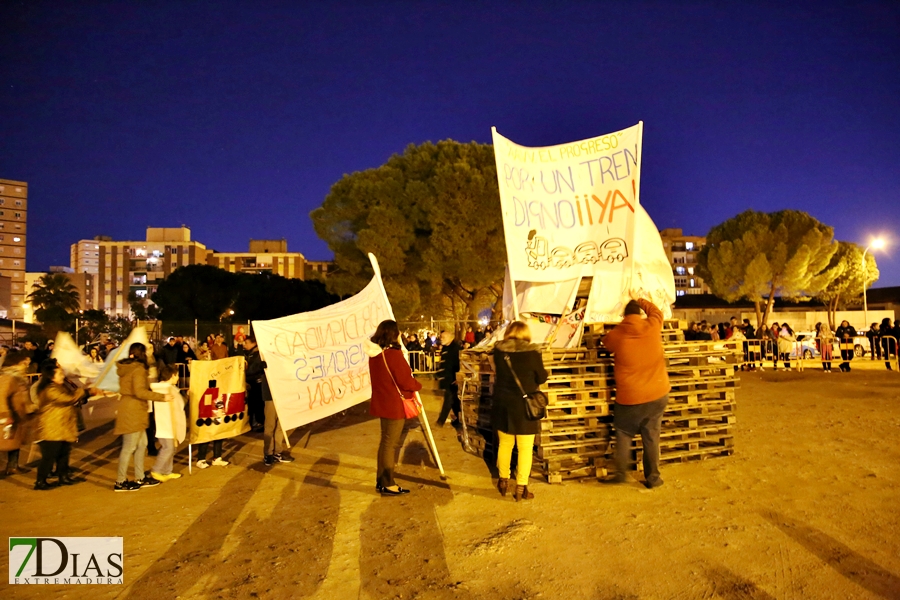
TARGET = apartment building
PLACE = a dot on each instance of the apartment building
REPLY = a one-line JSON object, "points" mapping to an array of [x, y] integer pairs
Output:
{"points": [[263, 256], [682, 252], [13, 228], [122, 267]]}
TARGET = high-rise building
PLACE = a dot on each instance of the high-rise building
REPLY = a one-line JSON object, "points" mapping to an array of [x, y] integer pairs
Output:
{"points": [[135, 266], [122, 268], [13, 228], [85, 255], [682, 251]]}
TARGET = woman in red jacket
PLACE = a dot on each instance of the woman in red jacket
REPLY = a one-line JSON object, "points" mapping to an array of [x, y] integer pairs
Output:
{"points": [[391, 377]]}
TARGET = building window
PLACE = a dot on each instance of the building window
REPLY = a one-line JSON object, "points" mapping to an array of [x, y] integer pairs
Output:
{"points": [[679, 292], [17, 239], [18, 203], [689, 245], [16, 263], [690, 270], [18, 215], [692, 282], [679, 270]]}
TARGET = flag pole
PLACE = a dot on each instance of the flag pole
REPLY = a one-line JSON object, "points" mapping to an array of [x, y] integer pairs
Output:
{"points": [[637, 199], [423, 419]]}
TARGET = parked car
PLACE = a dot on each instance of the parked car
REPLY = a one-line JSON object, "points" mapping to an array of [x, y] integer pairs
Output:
{"points": [[805, 345]]}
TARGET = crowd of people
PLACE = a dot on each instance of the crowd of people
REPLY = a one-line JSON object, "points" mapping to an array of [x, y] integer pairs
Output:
{"points": [[778, 342], [151, 409], [38, 402]]}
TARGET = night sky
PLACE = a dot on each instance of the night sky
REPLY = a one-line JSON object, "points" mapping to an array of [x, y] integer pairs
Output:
{"points": [[235, 118]]}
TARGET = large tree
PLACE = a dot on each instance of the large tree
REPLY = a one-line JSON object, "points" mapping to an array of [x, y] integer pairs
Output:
{"points": [[54, 299], [432, 218], [846, 288], [757, 256]]}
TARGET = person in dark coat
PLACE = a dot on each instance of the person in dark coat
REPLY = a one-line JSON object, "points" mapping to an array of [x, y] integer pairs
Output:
{"points": [[888, 336], [515, 352], [874, 336], [170, 352], [845, 334], [391, 378], [447, 379], [253, 373]]}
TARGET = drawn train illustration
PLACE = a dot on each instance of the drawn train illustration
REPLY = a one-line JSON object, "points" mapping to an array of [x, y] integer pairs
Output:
{"points": [[541, 257], [217, 407]]}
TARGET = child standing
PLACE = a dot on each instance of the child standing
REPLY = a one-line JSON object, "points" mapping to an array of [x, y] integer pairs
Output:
{"points": [[171, 423]]}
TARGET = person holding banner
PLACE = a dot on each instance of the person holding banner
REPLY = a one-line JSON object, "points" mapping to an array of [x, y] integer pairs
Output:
{"points": [[171, 423], [133, 417], [57, 424], [393, 399], [519, 368]]}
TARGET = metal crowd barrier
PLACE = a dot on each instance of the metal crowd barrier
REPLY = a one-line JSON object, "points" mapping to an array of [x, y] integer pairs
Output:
{"points": [[762, 353], [422, 362]]}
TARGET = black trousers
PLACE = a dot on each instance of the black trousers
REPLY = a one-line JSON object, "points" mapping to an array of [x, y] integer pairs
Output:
{"points": [[646, 419], [256, 408], [204, 447], [451, 401], [391, 432], [53, 453]]}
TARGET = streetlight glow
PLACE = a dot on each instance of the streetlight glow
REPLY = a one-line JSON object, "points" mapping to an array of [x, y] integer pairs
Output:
{"points": [[875, 244]]}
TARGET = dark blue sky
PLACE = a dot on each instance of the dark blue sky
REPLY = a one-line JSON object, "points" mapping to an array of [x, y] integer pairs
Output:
{"points": [[235, 118]]}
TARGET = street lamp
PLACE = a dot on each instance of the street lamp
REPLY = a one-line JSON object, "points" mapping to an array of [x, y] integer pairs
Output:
{"points": [[875, 244]]}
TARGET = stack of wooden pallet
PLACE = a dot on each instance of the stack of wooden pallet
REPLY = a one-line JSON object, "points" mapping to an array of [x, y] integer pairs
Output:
{"points": [[577, 436]]}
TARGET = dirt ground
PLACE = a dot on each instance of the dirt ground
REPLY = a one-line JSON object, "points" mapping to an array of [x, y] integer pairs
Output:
{"points": [[806, 508]]}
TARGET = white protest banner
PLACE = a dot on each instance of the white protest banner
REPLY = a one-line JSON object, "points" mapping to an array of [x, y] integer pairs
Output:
{"points": [[568, 210], [108, 379], [315, 361], [218, 399]]}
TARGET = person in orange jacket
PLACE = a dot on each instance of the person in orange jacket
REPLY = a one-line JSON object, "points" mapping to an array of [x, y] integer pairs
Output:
{"points": [[642, 387]]}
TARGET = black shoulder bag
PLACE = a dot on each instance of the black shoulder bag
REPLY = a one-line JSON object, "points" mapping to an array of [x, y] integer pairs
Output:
{"points": [[535, 402]]}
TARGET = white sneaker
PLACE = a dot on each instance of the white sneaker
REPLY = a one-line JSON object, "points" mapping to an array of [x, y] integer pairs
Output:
{"points": [[202, 464], [219, 462]]}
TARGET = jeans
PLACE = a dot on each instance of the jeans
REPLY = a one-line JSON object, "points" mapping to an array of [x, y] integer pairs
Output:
{"points": [[451, 401], [53, 453], [133, 444], [273, 436], [202, 449], [646, 419], [163, 464], [391, 430], [525, 444]]}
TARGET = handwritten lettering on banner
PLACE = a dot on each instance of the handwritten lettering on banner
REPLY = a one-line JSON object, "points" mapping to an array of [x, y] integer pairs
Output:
{"points": [[569, 210], [316, 365]]}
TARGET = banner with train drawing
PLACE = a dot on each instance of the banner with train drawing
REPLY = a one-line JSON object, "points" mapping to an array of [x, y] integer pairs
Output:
{"points": [[218, 399]]}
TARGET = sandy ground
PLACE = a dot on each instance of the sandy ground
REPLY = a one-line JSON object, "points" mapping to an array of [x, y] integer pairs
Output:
{"points": [[806, 508]]}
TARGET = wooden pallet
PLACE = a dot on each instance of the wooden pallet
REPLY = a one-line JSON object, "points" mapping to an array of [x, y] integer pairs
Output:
{"points": [[567, 422], [574, 435], [577, 409]]}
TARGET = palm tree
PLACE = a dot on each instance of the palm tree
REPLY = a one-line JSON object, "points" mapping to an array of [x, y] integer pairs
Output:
{"points": [[54, 297]]}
